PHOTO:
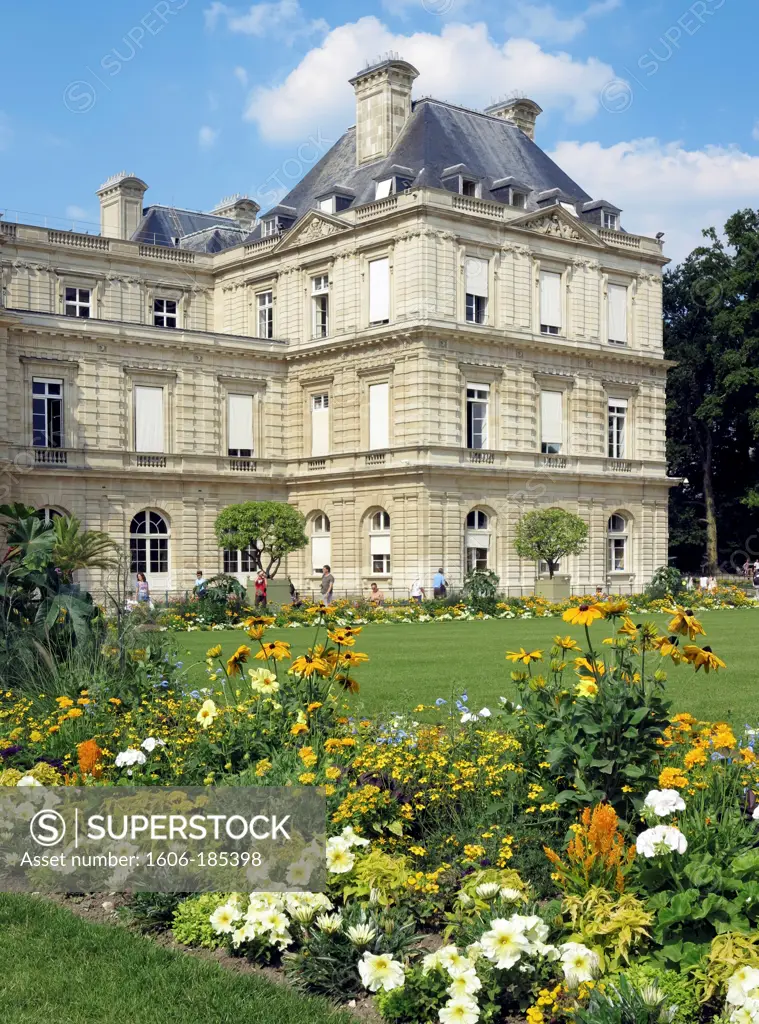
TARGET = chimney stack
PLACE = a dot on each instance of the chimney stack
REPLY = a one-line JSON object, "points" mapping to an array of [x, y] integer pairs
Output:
{"points": [[239, 208], [523, 112], [121, 205], [383, 106]]}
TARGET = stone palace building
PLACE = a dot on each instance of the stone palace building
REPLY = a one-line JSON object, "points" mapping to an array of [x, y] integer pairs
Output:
{"points": [[435, 331]]}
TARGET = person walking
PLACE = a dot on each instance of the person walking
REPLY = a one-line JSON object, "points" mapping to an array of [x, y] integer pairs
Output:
{"points": [[143, 590], [260, 588], [417, 590], [439, 585], [328, 584]]}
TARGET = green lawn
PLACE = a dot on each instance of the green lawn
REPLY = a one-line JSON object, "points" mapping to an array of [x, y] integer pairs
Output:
{"points": [[59, 969], [416, 663]]}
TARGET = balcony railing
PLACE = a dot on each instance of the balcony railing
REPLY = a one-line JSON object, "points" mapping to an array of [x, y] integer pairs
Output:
{"points": [[50, 456], [242, 465]]}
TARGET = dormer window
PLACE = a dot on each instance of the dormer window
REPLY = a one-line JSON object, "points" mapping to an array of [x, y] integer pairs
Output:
{"points": [[469, 187], [269, 227], [611, 221], [335, 202], [518, 199], [512, 191]]}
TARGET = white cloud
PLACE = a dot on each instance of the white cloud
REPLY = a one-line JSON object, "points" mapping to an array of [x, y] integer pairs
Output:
{"points": [[207, 137], [542, 21], [6, 131], [755, 132], [242, 76], [662, 186], [461, 64], [283, 18]]}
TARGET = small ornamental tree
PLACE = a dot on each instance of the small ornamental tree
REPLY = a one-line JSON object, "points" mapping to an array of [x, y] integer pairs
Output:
{"points": [[548, 535], [269, 530]]}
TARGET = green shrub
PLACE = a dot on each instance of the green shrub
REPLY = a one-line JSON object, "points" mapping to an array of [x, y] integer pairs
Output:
{"points": [[667, 581], [678, 989], [153, 911], [192, 925], [480, 590], [419, 999]]}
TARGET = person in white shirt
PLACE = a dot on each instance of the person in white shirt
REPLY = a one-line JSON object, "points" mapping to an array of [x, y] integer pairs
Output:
{"points": [[417, 590]]}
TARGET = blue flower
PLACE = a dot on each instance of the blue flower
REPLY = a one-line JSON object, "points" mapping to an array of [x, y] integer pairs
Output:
{"points": [[464, 697], [194, 694], [440, 701]]}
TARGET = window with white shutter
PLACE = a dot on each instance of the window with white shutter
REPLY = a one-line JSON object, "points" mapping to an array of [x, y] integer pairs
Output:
{"points": [[379, 291], [321, 542], [383, 188], [240, 425], [379, 543], [320, 424], [477, 415], [476, 289], [149, 428], [617, 309], [617, 428], [551, 422], [550, 302], [379, 415]]}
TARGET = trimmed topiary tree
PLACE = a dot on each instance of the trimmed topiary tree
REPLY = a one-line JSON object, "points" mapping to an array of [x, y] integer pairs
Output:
{"points": [[548, 535], [268, 529]]}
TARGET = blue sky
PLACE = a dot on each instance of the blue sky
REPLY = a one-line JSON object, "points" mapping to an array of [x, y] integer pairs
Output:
{"points": [[652, 105]]}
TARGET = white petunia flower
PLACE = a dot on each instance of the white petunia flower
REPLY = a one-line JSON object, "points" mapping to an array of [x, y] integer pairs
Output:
{"points": [[660, 840], [743, 986], [664, 802], [505, 943], [484, 712], [28, 780], [224, 918], [578, 962], [459, 1011], [380, 972], [339, 857], [465, 984], [129, 757], [351, 838]]}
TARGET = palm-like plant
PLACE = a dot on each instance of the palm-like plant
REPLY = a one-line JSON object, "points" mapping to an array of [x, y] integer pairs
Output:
{"points": [[75, 548]]}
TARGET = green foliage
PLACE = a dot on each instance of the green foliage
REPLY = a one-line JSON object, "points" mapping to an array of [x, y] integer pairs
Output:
{"points": [[153, 911], [480, 589], [192, 926], [380, 874], [667, 581], [75, 548], [548, 535], [419, 999], [725, 955], [681, 998], [626, 1003], [614, 926], [278, 527]]}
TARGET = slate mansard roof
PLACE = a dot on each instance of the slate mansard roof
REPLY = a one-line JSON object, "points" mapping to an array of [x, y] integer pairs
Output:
{"points": [[438, 141]]}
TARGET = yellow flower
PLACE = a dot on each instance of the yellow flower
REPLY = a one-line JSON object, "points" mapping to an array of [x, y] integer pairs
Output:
{"points": [[35, 736], [333, 772], [307, 778], [64, 702], [418, 851], [628, 628], [702, 656], [524, 656], [240, 656], [723, 736], [298, 728], [597, 667], [114, 700], [566, 643], [276, 649], [583, 615], [694, 757], [342, 637], [613, 608], [329, 790], [313, 706], [262, 767], [207, 713], [214, 652], [587, 687], [672, 778], [684, 622], [668, 646], [348, 658], [75, 713], [308, 665]]}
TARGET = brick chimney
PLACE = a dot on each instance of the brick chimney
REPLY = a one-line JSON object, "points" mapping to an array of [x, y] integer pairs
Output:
{"points": [[383, 105], [121, 205], [523, 112]]}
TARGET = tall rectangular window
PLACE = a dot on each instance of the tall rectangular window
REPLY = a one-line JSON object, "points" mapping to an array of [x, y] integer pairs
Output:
{"points": [[379, 291], [47, 413], [550, 302], [149, 431], [476, 288], [320, 301], [319, 425], [240, 425], [265, 303], [379, 415], [617, 428], [77, 302], [551, 422], [477, 416], [164, 312], [617, 310]]}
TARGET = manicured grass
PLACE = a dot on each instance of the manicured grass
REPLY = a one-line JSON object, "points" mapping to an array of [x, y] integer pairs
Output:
{"points": [[59, 969], [416, 663]]}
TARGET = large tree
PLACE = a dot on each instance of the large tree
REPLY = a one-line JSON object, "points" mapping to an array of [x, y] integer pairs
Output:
{"points": [[711, 316]]}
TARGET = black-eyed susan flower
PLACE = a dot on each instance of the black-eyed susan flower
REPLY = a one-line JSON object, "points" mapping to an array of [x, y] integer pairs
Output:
{"points": [[214, 652], [566, 643], [702, 657], [308, 665], [276, 649], [583, 615], [684, 622], [525, 657], [348, 658], [238, 659]]}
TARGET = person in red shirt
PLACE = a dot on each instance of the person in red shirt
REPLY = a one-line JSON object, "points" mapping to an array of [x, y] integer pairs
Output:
{"points": [[261, 588]]}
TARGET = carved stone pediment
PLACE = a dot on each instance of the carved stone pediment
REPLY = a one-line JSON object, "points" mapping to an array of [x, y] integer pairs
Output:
{"points": [[551, 224], [555, 222], [314, 227]]}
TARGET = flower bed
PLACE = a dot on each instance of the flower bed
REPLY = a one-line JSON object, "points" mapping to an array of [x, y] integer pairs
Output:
{"points": [[200, 615], [578, 855]]}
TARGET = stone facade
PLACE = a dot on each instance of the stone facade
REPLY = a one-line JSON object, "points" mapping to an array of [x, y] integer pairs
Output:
{"points": [[431, 472]]}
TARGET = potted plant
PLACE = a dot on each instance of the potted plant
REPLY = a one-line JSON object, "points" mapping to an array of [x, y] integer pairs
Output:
{"points": [[549, 535], [268, 531]]}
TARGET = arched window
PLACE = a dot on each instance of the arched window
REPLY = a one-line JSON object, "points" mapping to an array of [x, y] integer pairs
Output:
{"points": [[321, 542], [617, 542], [477, 540], [149, 543], [47, 515], [379, 543]]}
